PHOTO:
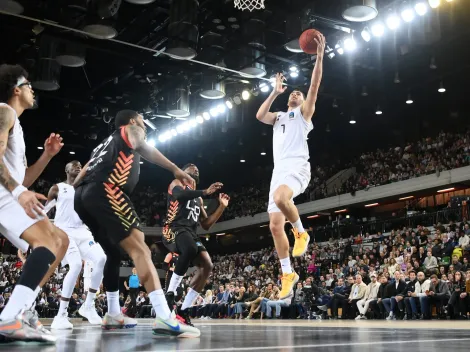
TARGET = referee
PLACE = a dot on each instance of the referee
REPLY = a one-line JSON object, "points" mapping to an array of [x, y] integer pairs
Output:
{"points": [[133, 288]]}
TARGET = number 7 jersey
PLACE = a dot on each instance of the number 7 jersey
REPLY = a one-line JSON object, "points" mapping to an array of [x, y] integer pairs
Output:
{"points": [[182, 214], [290, 131]]}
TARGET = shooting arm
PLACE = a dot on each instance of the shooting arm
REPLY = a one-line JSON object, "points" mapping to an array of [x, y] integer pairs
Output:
{"points": [[7, 121], [308, 107], [208, 221], [263, 113]]}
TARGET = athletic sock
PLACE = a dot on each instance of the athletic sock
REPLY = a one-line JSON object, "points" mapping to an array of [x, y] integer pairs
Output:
{"points": [[189, 299], [63, 306], [90, 299], [159, 304], [21, 298], [174, 282], [286, 266], [298, 225], [113, 303]]}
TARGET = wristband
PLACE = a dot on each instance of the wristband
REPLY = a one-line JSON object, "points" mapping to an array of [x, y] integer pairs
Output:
{"points": [[17, 191]]}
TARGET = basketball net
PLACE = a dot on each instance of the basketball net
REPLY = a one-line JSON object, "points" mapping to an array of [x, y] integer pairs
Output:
{"points": [[249, 5]]}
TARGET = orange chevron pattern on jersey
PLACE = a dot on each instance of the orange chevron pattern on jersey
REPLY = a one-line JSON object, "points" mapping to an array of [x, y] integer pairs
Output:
{"points": [[119, 203], [122, 170], [172, 211]]}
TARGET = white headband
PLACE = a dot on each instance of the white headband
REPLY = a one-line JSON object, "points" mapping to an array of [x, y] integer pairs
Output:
{"points": [[21, 80]]}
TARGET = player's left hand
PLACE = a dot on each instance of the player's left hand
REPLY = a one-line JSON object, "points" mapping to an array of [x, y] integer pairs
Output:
{"points": [[223, 199], [53, 144], [321, 43]]}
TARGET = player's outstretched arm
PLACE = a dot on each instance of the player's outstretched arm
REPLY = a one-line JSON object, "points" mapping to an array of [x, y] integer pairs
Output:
{"points": [[179, 192], [51, 198], [136, 136], [7, 120], [208, 221], [263, 113], [308, 107]]}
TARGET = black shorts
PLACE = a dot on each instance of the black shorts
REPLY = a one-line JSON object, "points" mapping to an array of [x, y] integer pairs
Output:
{"points": [[174, 239], [106, 210]]}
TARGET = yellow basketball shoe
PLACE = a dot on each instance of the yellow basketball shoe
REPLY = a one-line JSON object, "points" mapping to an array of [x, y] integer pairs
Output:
{"points": [[288, 282], [301, 243]]}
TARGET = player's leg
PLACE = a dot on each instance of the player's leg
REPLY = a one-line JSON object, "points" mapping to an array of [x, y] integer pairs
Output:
{"points": [[74, 261]]}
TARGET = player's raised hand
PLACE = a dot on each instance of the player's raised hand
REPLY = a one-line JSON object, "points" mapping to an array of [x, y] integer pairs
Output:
{"points": [[224, 199], [213, 188], [53, 144], [30, 202], [279, 87], [321, 43]]}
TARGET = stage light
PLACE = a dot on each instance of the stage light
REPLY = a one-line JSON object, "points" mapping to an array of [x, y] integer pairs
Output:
{"points": [[446, 190], [378, 111], [71, 152], [409, 100], [264, 87], [168, 135], [40, 148], [206, 116], [441, 88], [237, 100], [393, 21], [221, 108], [151, 142], [421, 8], [263, 153], [199, 119], [161, 138], [294, 74], [434, 3], [242, 160], [179, 128], [174, 133], [273, 81], [245, 95], [185, 126], [293, 68], [229, 104], [408, 15], [350, 44], [378, 29], [214, 112], [193, 122], [339, 49], [365, 34], [352, 121]]}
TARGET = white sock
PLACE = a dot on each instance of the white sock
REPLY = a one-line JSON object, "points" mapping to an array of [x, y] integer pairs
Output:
{"points": [[113, 303], [158, 300], [285, 265], [174, 282], [298, 225], [90, 299], [21, 298], [189, 299], [62, 307]]}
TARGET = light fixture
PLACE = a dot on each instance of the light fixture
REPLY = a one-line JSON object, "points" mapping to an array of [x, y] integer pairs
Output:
{"points": [[264, 87], [293, 68], [179, 129], [272, 79], [72, 152], [352, 121], [174, 132], [161, 138], [378, 111], [434, 3], [214, 112], [221, 108], [409, 100], [245, 95], [446, 190], [141, 162], [193, 122], [371, 205], [365, 34], [408, 15], [151, 141], [378, 29], [341, 211], [40, 148], [405, 198], [229, 104], [263, 152], [199, 119], [393, 21], [294, 74], [242, 160], [441, 88], [313, 216], [421, 8], [206, 116], [168, 135], [350, 44], [237, 100], [339, 49]]}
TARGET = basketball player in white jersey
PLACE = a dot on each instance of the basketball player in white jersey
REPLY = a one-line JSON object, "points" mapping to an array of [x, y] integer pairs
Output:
{"points": [[87, 270], [22, 220], [291, 173], [82, 246]]}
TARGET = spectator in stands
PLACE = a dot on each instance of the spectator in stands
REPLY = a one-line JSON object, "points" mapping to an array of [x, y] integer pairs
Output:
{"points": [[438, 294], [358, 290], [396, 287], [430, 263], [369, 296], [420, 295], [403, 298], [457, 305]]}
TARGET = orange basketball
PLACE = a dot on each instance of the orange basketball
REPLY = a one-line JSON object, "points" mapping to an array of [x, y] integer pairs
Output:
{"points": [[307, 42]]}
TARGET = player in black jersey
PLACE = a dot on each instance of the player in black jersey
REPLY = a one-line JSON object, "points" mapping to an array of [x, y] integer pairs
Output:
{"points": [[185, 212], [102, 200]]}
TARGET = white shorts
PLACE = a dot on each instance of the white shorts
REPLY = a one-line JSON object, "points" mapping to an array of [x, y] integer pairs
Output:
{"points": [[86, 284], [14, 221], [80, 240], [295, 175]]}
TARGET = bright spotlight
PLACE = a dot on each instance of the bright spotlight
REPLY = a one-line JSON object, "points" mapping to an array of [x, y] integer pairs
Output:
{"points": [[350, 44], [409, 100], [378, 112], [434, 3], [421, 8], [174, 132], [293, 68], [294, 74], [168, 135], [193, 122], [393, 21], [206, 115], [273, 81], [352, 121], [151, 142], [441, 88], [229, 104], [221, 108], [245, 95], [185, 126], [242, 160], [264, 87], [378, 30], [161, 138], [214, 112], [199, 119], [365, 34], [179, 129], [339, 49], [408, 15]]}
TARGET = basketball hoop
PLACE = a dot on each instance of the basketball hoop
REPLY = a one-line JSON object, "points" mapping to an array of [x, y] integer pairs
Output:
{"points": [[249, 5]]}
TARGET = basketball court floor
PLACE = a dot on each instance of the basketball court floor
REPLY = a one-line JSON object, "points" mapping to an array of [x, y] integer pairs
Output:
{"points": [[271, 335]]}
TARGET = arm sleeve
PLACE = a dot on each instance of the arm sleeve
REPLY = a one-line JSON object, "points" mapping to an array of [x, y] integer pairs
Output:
{"points": [[185, 194]]}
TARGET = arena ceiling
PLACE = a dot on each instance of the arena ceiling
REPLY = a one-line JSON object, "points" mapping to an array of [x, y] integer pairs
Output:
{"points": [[410, 61]]}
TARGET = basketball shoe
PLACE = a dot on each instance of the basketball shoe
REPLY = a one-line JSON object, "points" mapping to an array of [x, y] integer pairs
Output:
{"points": [[120, 321], [172, 327], [61, 322], [301, 243], [19, 329], [288, 282], [90, 313]]}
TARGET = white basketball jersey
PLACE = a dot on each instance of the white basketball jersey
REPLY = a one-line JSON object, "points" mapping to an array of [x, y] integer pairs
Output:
{"points": [[88, 269], [15, 154], [290, 132], [65, 216]]}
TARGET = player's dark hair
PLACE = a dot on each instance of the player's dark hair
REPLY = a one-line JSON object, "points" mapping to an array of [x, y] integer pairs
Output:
{"points": [[9, 75], [123, 117], [187, 165], [298, 90]]}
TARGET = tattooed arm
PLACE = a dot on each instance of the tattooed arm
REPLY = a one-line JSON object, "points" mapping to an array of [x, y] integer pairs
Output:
{"points": [[7, 121]]}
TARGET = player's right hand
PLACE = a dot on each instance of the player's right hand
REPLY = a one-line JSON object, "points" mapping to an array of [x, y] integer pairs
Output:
{"points": [[185, 178], [279, 88], [213, 188], [30, 202]]}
